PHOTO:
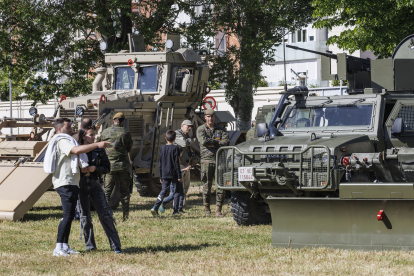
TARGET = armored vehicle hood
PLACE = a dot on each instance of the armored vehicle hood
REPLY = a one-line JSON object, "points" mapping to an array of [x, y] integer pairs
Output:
{"points": [[297, 143]]}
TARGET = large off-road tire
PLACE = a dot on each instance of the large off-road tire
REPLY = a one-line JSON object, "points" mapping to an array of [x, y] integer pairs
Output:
{"points": [[247, 210], [148, 187]]}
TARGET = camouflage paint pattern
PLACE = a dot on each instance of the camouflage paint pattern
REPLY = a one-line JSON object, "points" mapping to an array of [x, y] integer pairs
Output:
{"points": [[121, 144], [207, 175], [207, 137]]}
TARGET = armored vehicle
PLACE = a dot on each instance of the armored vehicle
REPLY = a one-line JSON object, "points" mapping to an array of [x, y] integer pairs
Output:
{"points": [[333, 171], [155, 90]]}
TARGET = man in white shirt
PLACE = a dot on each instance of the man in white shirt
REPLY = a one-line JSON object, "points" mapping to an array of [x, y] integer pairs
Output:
{"points": [[63, 160]]}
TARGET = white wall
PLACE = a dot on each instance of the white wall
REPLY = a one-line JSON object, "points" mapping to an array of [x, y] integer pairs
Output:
{"points": [[263, 96], [22, 111]]}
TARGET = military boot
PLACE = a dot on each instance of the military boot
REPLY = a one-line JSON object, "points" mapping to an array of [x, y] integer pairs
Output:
{"points": [[125, 208], [218, 210], [207, 209]]}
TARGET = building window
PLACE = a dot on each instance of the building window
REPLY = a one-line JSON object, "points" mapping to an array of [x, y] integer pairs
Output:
{"points": [[221, 42], [304, 35], [311, 38], [300, 36], [293, 37]]}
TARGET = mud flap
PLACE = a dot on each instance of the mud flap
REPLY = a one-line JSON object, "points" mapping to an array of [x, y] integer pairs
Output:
{"points": [[342, 223]]}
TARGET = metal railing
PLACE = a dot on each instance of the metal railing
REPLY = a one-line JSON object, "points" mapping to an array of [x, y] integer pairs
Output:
{"points": [[311, 170]]}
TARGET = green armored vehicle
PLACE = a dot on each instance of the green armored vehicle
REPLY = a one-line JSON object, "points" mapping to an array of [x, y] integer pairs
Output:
{"points": [[155, 90], [333, 171]]}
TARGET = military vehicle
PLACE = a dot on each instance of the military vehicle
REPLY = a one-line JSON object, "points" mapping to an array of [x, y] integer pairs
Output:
{"points": [[155, 90], [22, 178], [333, 171]]}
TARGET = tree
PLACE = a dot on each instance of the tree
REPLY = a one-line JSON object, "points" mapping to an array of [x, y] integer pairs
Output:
{"points": [[257, 27], [62, 37], [377, 26]]}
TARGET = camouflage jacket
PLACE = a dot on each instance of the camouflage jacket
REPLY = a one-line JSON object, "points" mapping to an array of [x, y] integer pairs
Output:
{"points": [[207, 137], [184, 141], [250, 134], [118, 151]]}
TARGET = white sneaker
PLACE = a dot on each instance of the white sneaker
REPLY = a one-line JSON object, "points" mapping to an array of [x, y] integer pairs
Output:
{"points": [[60, 252], [70, 251]]}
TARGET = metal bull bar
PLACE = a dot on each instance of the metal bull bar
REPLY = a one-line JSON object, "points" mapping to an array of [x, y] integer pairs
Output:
{"points": [[305, 164]]}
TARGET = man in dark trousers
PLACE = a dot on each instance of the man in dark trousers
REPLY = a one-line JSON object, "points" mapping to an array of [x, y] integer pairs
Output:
{"points": [[121, 144], [64, 158], [170, 172]]}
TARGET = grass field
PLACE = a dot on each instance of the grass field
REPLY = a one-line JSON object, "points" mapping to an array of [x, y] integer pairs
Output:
{"points": [[187, 245]]}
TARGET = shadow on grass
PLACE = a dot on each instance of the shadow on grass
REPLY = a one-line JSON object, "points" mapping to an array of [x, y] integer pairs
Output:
{"points": [[48, 208], [35, 217], [168, 248]]}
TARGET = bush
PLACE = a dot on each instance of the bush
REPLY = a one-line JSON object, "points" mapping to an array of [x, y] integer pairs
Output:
{"points": [[338, 83]]}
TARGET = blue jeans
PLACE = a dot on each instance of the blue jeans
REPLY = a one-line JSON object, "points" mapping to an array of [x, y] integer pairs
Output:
{"points": [[171, 196], [178, 192]]}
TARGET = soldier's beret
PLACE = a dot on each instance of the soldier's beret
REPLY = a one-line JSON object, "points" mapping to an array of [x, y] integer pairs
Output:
{"points": [[119, 115], [209, 111]]}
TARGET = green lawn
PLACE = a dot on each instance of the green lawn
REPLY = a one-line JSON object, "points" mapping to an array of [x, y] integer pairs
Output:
{"points": [[187, 245]]}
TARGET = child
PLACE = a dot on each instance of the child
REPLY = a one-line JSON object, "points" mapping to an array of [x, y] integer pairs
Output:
{"points": [[171, 196], [170, 172]]}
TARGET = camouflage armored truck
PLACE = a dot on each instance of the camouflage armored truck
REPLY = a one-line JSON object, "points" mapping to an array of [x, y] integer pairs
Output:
{"points": [[155, 90], [333, 171]]}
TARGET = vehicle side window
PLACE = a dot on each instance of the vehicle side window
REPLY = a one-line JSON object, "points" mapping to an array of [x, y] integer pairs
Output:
{"points": [[407, 114], [147, 79], [125, 77]]}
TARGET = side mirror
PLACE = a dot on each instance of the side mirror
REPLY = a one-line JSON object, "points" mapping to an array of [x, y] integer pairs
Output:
{"points": [[262, 130], [397, 127]]}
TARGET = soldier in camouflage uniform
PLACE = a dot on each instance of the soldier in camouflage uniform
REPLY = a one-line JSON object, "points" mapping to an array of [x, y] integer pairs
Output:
{"points": [[118, 156], [250, 133], [211, 138]]}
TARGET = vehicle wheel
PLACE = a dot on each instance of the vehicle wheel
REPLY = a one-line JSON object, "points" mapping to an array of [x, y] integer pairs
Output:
{"points": [[247, 210], [148, 187]]}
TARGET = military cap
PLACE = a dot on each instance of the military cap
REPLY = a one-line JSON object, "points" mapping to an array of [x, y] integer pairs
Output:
{"points": [[119, 115], [187, 123], [209, 111]]}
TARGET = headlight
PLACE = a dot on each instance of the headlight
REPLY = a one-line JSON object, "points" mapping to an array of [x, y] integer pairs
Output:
{"points": [[325, 158]]}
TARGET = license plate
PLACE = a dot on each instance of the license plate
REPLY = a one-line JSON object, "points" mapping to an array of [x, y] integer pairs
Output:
{"points": [[246, 174]]}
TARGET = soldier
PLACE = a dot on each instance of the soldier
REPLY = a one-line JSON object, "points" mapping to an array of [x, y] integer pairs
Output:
{"points": [[184, 140], [211, 138], [118, 156], [250, 133]]}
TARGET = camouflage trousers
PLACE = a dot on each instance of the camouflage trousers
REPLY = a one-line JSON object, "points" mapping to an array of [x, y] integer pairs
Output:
{"points": [[207, 176], [124, 180]]}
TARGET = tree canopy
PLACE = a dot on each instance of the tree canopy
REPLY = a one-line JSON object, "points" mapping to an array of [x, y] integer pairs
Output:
{"points": [[258, 26], [377, 26], [62, 38]]}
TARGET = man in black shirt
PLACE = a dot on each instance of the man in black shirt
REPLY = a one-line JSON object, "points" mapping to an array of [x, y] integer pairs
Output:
{"points": [[170, 172]]}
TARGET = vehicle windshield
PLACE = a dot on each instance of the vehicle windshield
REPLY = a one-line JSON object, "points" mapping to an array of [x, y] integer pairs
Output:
{"points": [[125, 77], [147, 79], [328, 117]]}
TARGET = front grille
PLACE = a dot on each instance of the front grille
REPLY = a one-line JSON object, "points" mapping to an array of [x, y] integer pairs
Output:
{"points": [[228, 163], [136, 127], [315, 167], [311, 166], [70, 113]]}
